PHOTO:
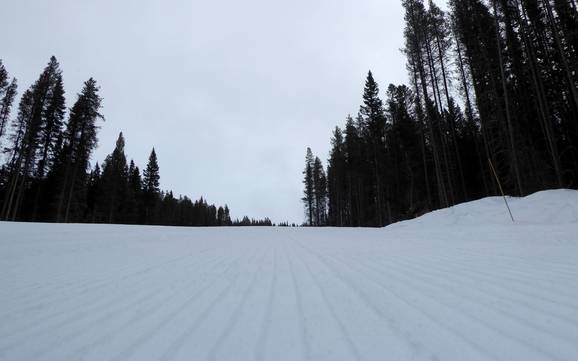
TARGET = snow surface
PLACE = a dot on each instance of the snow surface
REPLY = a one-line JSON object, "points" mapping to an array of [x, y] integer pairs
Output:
{"points": [[458, 284]]}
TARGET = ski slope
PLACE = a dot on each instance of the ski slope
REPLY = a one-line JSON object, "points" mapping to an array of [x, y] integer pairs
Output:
{"points": [[458, 284]]}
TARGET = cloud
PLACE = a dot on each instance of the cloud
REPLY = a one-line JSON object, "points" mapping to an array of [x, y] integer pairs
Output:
{"points": [[230, 93]]}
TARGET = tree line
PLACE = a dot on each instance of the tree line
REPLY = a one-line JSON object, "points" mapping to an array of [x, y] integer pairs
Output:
{"points": [[492, 84], [47, 175]]}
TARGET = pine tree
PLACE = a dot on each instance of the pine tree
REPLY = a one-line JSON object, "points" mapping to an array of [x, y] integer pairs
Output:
{"points": [[52, 124], [115, 183], [337, 181], [320, 192], [151, 184], [80, 140], [374, 120], [309, 191], [227, 216], [355, 160], [220, 216], [134, 196]]}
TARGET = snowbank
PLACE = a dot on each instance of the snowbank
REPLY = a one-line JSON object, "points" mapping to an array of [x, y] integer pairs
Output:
{"points": [[546, 207]]}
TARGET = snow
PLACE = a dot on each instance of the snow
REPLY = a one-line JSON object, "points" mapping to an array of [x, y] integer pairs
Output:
{"points": [[462, 283]]}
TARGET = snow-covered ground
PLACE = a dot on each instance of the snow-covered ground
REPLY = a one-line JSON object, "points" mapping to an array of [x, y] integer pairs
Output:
{"points": [[458, 284]]}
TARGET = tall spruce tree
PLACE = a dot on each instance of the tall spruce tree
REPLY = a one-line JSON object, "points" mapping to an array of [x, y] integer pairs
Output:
{"points": [[151, 184], [80, 139], [320, 192], [52, 126], [309, 188], [374, 121]]}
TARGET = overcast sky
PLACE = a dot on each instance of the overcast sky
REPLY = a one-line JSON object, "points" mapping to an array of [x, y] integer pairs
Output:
{"points": [[230, 93]]}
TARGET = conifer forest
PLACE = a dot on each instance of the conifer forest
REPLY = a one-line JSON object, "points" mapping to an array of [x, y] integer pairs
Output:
{"points": [[47, 176], [491, 102]]}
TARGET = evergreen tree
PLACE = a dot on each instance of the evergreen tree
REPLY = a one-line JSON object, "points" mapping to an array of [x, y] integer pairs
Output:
{"points": [[320, 192], [151, 183], [309, 191], [134, 195], [52, 124], [338, 208], [374, 121], [115, 184], [227, 216], [356, 164], [80, 139]]}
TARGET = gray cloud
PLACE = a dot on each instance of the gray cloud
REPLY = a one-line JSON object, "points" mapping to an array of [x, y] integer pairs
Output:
{"points": [[229, 92]]}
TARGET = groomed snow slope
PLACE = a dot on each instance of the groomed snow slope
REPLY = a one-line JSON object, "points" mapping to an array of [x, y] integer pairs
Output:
{"points": [[458, 284]]}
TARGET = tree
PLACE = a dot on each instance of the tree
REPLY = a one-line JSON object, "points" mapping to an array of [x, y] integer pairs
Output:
{"points": [[52, 124], [320, 192], [309, 191], [338, 208], [374, 121], [227, 216], [80, 139], [115, 183], [134, 194], [151, 184], [355, 174]]}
